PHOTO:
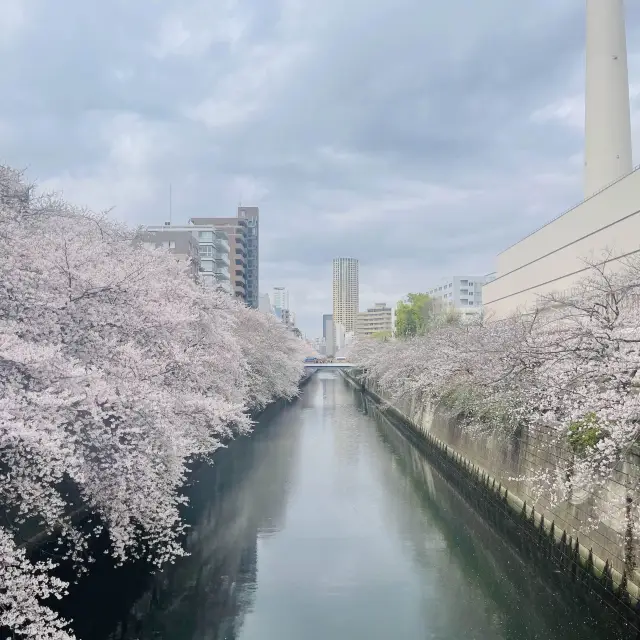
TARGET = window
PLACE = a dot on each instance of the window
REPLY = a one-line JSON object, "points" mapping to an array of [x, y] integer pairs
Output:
{"points": [[206, 236], [172, 244], [464, 283], [206, 265], [206, 251]]}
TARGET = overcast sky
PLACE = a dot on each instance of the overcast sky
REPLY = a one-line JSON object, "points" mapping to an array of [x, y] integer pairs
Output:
{"points": [[421, 137]]}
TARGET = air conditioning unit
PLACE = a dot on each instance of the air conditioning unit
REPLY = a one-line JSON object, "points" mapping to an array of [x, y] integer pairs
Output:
{"points": [[167, 224]]}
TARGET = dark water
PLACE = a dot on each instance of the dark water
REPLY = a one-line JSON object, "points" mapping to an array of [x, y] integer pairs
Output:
{"points": [[328, 524]]}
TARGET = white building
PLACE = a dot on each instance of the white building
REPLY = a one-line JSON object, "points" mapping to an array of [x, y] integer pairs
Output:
{"points": [[329, 335], [377, 319], [264, 304], [460, 293], [552, 258], [280, 298], [345, 293]]}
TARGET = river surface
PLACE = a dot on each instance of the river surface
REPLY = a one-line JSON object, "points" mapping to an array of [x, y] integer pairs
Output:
{"points": [[327, 524]]}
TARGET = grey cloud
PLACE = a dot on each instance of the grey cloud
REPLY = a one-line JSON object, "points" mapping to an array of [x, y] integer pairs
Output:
{"points": [[399, 132]]}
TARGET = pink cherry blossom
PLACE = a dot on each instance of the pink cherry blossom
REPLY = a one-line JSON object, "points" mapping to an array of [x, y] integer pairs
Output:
{"points": [[569, 370], [116, 371]]}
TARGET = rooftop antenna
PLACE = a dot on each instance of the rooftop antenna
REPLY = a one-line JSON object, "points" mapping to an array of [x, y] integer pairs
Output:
{"points": [[170, 204]]}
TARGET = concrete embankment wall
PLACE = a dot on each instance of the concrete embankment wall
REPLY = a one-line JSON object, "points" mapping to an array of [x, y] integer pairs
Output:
{"points": [[605, 547]]}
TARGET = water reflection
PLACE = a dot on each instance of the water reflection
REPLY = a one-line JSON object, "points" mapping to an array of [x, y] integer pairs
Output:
{"points": [[241, 498], [489, 589], [328, 523]]}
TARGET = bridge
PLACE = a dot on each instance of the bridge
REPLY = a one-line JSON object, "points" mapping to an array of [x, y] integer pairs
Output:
{"points": [[328, 365]]}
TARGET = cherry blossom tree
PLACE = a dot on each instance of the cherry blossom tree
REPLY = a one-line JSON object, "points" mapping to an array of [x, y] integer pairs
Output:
{"points": [[116, 371], [570, 369]]}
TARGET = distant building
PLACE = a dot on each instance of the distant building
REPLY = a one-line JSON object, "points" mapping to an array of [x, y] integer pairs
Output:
{"points": [[326, 318], [265, 304], [180, 243], [280, 300], [243, 237], [212, 246], [460, 293], [340, 336], [252, 272], [345, 292], [328, 334], [377, 319], [288, 317]]}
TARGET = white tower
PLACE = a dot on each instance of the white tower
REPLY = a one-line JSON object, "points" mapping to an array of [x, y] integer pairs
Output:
{"points": [[607, 113]]}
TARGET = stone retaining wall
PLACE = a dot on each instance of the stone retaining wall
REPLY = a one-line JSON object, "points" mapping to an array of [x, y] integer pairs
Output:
{"points": [[606, 547]]}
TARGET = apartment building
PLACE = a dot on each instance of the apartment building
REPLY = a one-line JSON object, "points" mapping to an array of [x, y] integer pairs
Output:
{"points": [[210, 245], [345, 293], [235, 230], [251, 215], [243, 237], [280, 297], [460, 293], [376, 319], [180, 243]]}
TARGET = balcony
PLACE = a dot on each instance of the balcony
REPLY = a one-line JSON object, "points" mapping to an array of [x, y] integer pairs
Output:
{"points": [[222, 244], [222, 259], [222, 274]]}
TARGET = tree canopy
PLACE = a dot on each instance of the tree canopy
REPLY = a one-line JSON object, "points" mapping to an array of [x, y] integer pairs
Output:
{"points": [[570, 369], [116, 371], [413, 315]]}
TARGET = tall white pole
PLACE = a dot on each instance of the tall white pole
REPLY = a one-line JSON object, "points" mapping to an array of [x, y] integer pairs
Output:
{"points": [[607, 113]]}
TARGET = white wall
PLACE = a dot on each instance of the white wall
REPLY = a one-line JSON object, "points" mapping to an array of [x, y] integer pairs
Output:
{"points": [[552, 258]]}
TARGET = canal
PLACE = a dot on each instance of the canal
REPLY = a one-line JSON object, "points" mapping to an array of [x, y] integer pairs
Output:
{"points": [[326, 523]]}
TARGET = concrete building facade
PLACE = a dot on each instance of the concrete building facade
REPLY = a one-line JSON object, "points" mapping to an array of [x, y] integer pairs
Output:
{"points": [[236, 230], [280, 299], [211, 244], [553, 258], [329, 335], [459, 293], [180, 243], [377, 319], [251, 215], [345, 293], [265, 304]]}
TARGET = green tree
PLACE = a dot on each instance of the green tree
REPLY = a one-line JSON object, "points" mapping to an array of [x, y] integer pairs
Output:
{"points": [[383, 336], [414, 315]]}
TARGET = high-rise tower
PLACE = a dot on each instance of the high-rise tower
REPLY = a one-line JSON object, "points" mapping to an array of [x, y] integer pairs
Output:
{"points": [[607, 114], [345, 292]]}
